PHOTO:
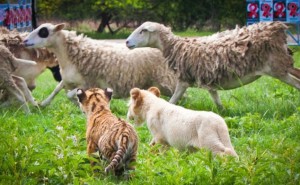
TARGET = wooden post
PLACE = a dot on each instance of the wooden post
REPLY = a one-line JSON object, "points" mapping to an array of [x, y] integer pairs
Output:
{"points": [[33, 8]]}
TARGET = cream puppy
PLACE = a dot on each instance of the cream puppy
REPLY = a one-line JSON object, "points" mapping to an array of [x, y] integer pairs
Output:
{"points": [[176, 126]]}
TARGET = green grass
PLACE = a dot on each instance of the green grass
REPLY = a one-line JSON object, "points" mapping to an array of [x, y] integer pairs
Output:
{"points": [[49, 147], [124, 33], [193, 33]]}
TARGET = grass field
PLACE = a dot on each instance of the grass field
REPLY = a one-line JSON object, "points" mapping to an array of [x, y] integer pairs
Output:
{"points": [[124, 33], [48, 146]]}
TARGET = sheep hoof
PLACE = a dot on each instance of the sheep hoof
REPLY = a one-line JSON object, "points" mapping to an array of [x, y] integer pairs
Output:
{"points": [[221, 108], [35, 104], [28, 112], [43, 104]]}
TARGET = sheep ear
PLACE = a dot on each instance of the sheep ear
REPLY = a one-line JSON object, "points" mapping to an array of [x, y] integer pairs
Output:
{"points": [[155, 91], [150, 27], [59, 27], [81, 95], [108, 92]]}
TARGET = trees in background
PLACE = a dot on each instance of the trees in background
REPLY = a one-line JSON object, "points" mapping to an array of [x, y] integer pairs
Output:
{"points": [[180, 14]]}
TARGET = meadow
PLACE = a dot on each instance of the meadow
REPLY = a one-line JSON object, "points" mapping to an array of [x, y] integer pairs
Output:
{"points": [[49, 147]]}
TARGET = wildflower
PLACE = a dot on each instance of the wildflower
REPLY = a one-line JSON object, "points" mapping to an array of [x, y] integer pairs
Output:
{"points": [[74, 139], [59, 128], [60, 156]]}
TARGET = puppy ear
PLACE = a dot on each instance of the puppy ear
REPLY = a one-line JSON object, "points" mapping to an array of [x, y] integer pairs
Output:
{"points": [[136, 96], [108, 93], [135, 93], [81, 95], [59, 27], [155, 91]]}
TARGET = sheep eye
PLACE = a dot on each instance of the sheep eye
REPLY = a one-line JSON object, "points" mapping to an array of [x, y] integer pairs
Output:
{"points": [[142, 31], [43, 32]]}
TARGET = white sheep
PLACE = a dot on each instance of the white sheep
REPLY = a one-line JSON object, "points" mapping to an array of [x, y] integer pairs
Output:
{"points": [[176, 126], [224, 60], [87, 63], [13, 40], [14, 86]]}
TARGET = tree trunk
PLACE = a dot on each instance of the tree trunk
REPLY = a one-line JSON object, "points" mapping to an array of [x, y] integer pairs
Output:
{"points": [[216, 25], [105, 18], [33, 15]]}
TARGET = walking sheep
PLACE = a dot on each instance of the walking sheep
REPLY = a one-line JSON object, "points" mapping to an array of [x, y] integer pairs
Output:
{"points": [[176, 126], [44, 59], [87, 63], [224, 60], [14, 86]]}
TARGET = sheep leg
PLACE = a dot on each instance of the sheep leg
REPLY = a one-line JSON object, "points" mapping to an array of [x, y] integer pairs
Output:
{"points": [[216, 98], [57, 89], [14, 90], [291, 80], [295, 72], [21, 83], [291, 77], [72, 96], [179, 91], [6, 103], [4, 99]]}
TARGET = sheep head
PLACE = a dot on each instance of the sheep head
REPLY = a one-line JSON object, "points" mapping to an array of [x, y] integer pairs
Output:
{"points": [[43, 36], [146, 35]]}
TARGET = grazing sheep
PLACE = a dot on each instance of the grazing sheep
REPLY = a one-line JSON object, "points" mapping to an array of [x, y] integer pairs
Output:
{"points": [[224, 60], [13, 40], [14, 86], [87, 63], [176, 126]]}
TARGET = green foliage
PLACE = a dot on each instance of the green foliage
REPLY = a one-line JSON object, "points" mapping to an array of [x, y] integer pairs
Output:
{"points": [[192, 33], [49, 147], [124, 33], [62, 9], [179, 14]]}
